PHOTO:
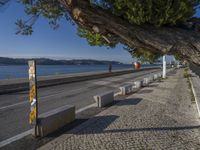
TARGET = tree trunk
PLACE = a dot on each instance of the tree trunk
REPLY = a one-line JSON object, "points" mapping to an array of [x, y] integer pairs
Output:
{"points": [[163, 40]]}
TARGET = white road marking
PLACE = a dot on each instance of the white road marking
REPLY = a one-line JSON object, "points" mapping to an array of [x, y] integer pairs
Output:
{"points": [[15, 138], [9, 106], [84, 108], [42, 97], [26, 133]]}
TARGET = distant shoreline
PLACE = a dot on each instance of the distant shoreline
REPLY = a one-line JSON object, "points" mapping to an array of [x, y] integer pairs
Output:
{"points": [[46, 61], [59, 64], [21, 71]]}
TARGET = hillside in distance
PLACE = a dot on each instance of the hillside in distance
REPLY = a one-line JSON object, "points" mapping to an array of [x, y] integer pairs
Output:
{"points": [[47, 61]]}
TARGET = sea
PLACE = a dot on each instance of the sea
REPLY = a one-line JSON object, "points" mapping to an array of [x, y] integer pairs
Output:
{"points": [[21, 71]]}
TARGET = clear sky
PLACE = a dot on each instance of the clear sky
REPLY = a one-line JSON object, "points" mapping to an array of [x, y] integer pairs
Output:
{"points": [[62, 43]]}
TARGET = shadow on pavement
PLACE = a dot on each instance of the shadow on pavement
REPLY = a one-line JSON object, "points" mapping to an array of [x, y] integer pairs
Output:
{"points": [[31, 143], [128, 101], [145, 91], [151, 129], [103, 123], [153, 85], [96, 124], [172, 73]]}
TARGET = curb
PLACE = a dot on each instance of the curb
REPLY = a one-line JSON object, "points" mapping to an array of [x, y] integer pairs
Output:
{"points": [[196, 97]]}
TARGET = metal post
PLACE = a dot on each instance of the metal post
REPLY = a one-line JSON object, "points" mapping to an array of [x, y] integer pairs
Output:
{"points": [[164, 67]]}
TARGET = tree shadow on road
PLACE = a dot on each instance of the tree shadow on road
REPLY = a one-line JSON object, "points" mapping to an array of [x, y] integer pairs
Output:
{"points": [[100, 127], [152, 129], [95, 125]]}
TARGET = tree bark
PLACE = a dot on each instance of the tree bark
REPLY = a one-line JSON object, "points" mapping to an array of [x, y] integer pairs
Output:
{"points": [[164, 40]]}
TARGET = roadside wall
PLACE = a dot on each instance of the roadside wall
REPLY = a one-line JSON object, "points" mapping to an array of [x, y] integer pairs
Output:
{"points": [[8, 86]]}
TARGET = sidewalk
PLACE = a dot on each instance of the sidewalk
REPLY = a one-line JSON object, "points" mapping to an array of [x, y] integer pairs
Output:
{"points": [[161, 116]]}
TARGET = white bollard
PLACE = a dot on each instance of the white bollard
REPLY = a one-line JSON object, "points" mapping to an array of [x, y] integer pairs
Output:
{"points": [[138, 84], [150, 79], [164, 67], [145, 82], [155, 76], [104, 99], [159, 75], [53, 120], [127, 89]]}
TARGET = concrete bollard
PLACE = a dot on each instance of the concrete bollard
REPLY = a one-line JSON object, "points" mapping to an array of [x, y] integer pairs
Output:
{"points": [[145, 82], [159, 75], [104, 99], [53, 120], [155, 76], [150, 79], [127, 89], [138, 84]]}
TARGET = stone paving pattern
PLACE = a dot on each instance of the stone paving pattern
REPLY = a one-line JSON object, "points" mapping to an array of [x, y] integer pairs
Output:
{"points": [[161, 116]]}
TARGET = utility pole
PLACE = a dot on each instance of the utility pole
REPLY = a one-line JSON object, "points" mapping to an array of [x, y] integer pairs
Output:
{"points": [[164, 66]]}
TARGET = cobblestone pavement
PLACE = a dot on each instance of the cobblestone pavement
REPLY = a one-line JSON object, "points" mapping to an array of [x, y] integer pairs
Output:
{"points": [[160, 116]]}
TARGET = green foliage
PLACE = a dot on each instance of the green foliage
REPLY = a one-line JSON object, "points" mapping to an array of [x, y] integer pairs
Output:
{"points": [[143, 55], [27, 29], [156, 12], [94, 39], [51, 9], [177, 56]]}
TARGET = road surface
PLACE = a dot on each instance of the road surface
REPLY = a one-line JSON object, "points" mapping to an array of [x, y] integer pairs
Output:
{"points": [[14, 107]]}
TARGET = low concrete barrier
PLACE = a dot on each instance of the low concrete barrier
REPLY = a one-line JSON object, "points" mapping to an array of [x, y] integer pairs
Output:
{"points": [[138, 84], [155, 76], [104, 99], [159, 75], [145, 82], [127, 89], [150, 79], [55, 119]]}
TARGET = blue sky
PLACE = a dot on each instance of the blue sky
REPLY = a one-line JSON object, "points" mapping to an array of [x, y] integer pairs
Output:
{"points": [[62, 43]]}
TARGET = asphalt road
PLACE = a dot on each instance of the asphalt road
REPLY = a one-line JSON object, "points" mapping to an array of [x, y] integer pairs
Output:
{"points": [[14, 107], [195, 69]]}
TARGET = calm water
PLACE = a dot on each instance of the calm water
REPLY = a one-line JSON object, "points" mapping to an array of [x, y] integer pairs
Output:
{"points": [[11, 71]]}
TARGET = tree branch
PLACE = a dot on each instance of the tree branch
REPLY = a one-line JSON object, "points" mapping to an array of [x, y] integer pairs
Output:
{"points": [[163, 40]]}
